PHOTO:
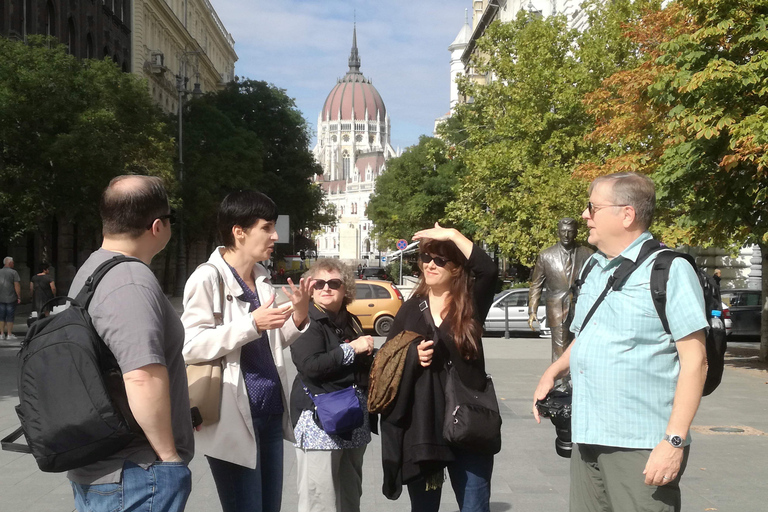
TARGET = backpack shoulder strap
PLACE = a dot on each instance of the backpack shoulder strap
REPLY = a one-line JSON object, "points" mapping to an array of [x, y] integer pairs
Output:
{"points": [[659, 278], [86, 292]]}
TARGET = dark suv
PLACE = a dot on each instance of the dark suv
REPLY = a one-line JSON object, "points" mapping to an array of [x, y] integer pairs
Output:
{"points": [[374, 273], [745, 306]]}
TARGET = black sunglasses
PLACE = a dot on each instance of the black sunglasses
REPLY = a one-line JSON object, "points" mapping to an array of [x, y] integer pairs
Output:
{"points": [[426, 258], [170, 216], [333, 284]]}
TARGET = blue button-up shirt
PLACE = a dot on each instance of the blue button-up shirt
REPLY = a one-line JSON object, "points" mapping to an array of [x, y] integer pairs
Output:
{"points": [[624, 366]]}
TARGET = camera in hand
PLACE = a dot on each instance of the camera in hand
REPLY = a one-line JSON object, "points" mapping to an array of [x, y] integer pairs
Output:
{"points": [[557, 407]]}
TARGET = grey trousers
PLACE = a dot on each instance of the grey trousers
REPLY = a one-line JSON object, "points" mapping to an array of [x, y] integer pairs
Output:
{"points": [[607, 479], [330, 480]]}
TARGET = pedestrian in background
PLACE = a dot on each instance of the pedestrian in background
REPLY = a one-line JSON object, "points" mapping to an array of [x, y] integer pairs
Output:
{"points": [[636, 388], [10, 296], [332, 355], [42, 288], [458, 281], [245, 447]]}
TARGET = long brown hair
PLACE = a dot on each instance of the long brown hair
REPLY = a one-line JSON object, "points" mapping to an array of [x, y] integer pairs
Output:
{"points": [[461, 309]]}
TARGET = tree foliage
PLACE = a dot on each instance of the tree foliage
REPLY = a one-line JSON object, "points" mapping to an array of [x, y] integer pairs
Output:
{"points": [[249, 135], [414, 191], [694, 115], [67, 127], [525, 128]]}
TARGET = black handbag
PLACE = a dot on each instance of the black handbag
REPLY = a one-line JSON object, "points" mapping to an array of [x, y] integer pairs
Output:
{"points": [[472, 421]]}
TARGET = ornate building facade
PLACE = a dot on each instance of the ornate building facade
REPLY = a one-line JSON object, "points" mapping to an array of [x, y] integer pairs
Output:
{"points": [[353, 145], [181, 39]]}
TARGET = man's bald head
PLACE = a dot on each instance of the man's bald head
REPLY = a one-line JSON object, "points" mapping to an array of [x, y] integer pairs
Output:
{"points": [[130, 204]]}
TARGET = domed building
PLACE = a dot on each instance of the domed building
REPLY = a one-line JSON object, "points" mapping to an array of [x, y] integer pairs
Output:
{"points": [[353, 145]]}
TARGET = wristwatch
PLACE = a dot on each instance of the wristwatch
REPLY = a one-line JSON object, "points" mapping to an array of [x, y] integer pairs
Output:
{"points": [[674, 440]]}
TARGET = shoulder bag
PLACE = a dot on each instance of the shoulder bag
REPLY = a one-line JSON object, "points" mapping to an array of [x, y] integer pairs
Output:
{"points": [[204, 379], [472, 421]]}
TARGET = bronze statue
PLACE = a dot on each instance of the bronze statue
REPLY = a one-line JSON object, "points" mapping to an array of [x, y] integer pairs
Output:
{"points": [[556, 269]]}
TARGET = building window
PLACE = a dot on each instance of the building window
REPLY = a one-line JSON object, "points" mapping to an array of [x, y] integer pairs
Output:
{"points": [[345, 165], [71, 37], [89, 47], [345, 137], [50, 20], [359, 138]]}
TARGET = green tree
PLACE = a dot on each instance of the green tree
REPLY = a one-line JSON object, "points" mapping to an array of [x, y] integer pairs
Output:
{"points": [[249, 135], [67, 127], [414, 191], [525, 129], [703, 88]]}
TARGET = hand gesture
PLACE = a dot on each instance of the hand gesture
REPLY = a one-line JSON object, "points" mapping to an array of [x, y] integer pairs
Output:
{"points": [[436, 233], [363, 345], [425, 351], [266, 317], [299, 299]]}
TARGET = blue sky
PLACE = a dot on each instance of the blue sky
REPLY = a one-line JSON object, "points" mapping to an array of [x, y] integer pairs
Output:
{"points": [[302, 46]]}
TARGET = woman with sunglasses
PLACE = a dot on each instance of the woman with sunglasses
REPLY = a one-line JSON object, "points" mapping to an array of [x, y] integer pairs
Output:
{"points": [[456, 289], [333, 354], [244, 448]]}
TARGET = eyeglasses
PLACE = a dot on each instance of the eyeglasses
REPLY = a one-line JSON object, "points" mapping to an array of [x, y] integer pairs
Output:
{"points": [[333, 284], [170, 216], [426, 258], [596, 207]]}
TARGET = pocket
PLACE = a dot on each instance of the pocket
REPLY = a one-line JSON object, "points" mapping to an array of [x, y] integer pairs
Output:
{"points": [[108, 497]]}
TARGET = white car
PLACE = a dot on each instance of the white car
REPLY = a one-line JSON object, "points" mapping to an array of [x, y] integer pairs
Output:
{"points": [[515, 300]]}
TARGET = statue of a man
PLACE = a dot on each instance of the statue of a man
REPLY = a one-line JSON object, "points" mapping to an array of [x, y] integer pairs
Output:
{"points": [[556, 269]]}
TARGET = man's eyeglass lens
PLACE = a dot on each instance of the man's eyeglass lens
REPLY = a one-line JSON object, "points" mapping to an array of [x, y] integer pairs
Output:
{"points": [[440, 262], [595, 207], [333, 284]]}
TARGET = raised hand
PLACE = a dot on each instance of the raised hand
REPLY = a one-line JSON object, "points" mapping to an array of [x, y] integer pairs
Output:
{"points": [[299, 296], [266, 317]]}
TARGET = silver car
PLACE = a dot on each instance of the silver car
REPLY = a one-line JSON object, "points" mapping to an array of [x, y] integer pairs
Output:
{"points": [[516, 302]]}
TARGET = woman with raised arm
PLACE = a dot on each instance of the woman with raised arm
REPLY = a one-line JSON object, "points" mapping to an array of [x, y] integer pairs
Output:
{"points": [[448, 308]]}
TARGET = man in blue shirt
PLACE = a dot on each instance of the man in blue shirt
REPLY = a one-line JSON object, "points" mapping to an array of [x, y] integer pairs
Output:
{"points": [[636, 388]]}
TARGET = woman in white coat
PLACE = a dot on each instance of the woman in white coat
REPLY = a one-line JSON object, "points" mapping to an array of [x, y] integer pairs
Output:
{"points": [[245, 447]]}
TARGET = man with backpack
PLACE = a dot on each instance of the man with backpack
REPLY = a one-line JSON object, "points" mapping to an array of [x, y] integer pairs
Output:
{"points": [[140, 327], [636, 385]]}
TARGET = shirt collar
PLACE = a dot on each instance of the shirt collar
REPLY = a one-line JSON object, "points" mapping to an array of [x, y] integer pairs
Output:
{"points": [[630, 253]]}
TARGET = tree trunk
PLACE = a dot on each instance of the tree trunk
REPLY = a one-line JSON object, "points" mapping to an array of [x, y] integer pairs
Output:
{"points": [[764, 313]]}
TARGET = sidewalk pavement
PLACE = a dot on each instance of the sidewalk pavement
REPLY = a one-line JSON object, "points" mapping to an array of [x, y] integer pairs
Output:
{"points": [[726, 472]]}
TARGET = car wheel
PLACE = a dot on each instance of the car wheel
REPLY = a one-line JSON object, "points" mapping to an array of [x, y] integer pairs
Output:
{"points": [[383, 325]]}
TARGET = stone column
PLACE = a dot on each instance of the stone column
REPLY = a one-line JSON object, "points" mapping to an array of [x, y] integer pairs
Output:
{"points": [[755, 279]]}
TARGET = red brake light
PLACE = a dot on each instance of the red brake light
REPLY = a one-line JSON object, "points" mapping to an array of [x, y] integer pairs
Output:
{"points": [[726, 313], [397, 292]]}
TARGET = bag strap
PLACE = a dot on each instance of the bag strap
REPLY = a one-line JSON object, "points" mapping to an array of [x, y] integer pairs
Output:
{"points": [[83, 298], [622, 273], [8, 442], [218, 316], [578, 283]]}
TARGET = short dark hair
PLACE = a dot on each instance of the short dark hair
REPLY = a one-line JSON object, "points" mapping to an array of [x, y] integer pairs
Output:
{"points": [[130, 203], [243, 208], [44, 266]]}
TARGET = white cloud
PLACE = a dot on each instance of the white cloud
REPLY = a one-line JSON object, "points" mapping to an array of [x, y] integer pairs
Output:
{"points": [[303, 46]]}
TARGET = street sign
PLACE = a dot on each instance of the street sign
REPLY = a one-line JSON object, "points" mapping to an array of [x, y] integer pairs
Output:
{"points": [[383, 259], [402, 244]]}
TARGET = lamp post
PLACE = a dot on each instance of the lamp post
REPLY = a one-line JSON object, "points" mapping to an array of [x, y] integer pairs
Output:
{"points": [[181, 250]]}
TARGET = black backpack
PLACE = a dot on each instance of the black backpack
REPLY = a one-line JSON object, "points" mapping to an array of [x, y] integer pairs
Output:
{"points": [[72, 403], [716, 344]]}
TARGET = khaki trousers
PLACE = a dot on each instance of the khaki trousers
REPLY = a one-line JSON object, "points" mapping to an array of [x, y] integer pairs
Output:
{"points": [[608, 479], [330, 480]]}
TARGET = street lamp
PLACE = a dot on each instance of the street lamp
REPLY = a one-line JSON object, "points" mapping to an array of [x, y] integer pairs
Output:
{"points": [[181, 250]]}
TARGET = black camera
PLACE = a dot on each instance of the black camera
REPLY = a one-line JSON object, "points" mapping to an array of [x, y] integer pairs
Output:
{"points": [[557, 407]]}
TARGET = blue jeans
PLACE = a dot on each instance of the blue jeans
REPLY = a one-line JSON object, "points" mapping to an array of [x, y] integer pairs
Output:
{"points": [[162, 487], [243, 489], [7, 311], [471, 481]]}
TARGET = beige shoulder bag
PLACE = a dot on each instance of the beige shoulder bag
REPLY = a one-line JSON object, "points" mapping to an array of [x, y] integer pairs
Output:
{"points": [[204, 379]]}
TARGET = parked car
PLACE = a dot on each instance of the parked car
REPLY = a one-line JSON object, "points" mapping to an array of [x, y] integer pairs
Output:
{"points": [[727, 318], [745, 310], [377, 273], [376, 304], [516, 300]]}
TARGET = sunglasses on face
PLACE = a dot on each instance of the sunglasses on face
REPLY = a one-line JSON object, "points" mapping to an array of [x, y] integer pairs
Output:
{"points": [[426, 258], [170, 216], [333, 284]]}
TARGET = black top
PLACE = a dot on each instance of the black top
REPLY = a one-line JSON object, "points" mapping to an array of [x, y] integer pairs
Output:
{"points": [[411, 318], [318, 357], [41, 293]]}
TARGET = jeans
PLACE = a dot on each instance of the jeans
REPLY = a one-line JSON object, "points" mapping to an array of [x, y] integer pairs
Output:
{"points": [[162, 487], [243, 489], [7, 311], [471, 481]]}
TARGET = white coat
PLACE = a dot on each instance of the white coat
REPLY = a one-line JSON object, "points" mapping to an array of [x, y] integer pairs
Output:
{"points": [[231, 439]]}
